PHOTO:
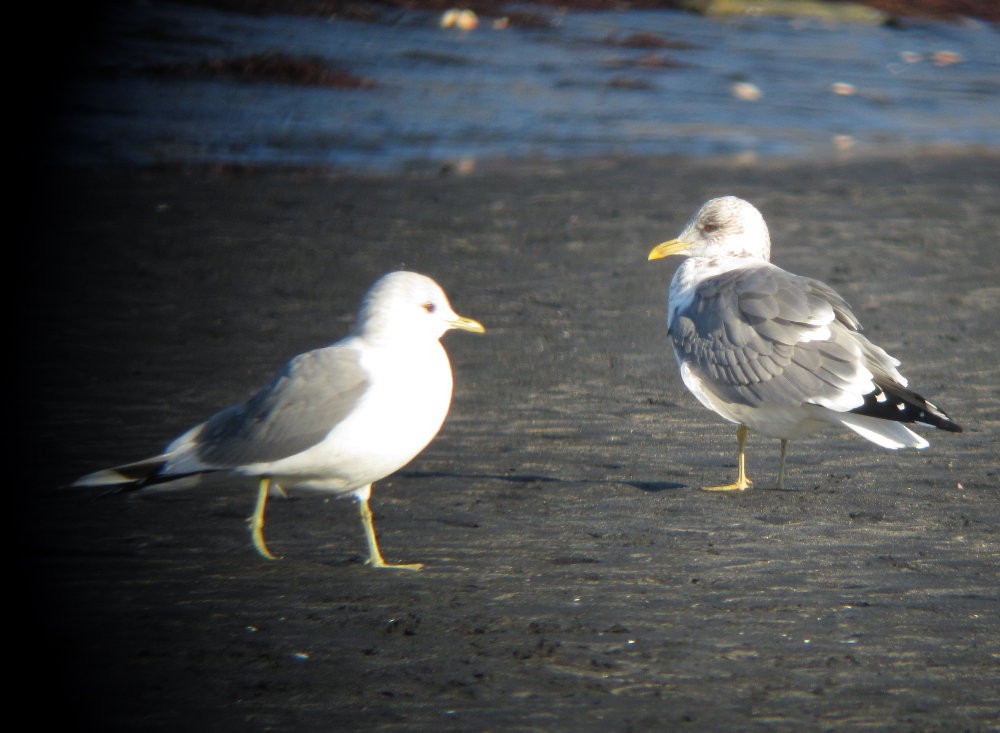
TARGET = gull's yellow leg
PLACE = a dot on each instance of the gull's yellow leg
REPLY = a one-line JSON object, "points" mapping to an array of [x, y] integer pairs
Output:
{"points": [[257, 520], [374, 555], [781, 468], [742, 481]]}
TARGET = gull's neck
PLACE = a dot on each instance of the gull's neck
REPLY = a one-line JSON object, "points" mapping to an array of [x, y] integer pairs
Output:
{"points": [[694, 270]]}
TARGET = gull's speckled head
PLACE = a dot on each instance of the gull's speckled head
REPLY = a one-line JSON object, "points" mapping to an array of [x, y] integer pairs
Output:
{"points": [[723, 227]]}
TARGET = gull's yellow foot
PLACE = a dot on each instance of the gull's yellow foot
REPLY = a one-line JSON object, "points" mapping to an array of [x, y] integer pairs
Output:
{"points": [[380, 563], [742, 482], [374, 554], [256, 521]]}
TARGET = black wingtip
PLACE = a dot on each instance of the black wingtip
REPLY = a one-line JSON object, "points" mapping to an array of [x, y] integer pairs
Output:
{"points": [[899, 404], [127, 477]]}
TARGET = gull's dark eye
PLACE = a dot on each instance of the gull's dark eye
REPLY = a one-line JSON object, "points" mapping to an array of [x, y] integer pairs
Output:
{"points": [[708, 227], [429, 307]]}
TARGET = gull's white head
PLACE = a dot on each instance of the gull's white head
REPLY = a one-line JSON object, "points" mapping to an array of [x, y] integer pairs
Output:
{"points": [[723, 227], [406, 306]]}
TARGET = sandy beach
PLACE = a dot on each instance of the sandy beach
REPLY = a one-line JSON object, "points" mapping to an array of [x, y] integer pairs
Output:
{"points": [[576, 578]]}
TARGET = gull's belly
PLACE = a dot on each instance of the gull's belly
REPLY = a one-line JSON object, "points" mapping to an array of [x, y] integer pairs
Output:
{"points": [[791, 421]]}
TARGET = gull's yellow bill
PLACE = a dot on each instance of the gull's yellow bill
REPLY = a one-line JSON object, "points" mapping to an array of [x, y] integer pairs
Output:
{"points": [[665, 249], [467, 324]]}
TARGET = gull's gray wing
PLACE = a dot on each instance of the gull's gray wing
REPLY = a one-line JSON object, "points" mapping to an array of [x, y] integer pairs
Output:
{"points": [[762, 336], [295, 411]]}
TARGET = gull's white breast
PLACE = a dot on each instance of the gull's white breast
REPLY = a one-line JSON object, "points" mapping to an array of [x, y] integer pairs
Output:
{"points": [[397, 416]]}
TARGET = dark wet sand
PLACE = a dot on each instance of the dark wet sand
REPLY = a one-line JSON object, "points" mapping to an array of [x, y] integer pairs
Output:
{"points": [[576, 579]]}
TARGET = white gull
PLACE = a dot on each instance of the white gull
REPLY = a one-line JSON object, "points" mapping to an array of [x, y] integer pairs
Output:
{"points": [[335, 419]]}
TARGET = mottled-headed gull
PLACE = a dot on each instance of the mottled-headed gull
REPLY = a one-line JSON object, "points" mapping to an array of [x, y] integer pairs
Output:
{"points": [[775, 352]]}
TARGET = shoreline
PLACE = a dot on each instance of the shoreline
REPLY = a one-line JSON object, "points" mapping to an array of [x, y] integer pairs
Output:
{"points": [[873, 154]]}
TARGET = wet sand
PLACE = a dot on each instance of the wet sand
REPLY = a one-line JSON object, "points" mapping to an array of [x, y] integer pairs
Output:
{"points": [[576, 578]]}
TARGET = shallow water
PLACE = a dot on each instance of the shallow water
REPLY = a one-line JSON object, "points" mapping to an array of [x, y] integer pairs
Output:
{"points": [[443, 96]]}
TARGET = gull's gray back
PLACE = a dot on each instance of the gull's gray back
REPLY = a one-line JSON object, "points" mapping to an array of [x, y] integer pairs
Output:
{"points": [[753, 335], [295, 411]]}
